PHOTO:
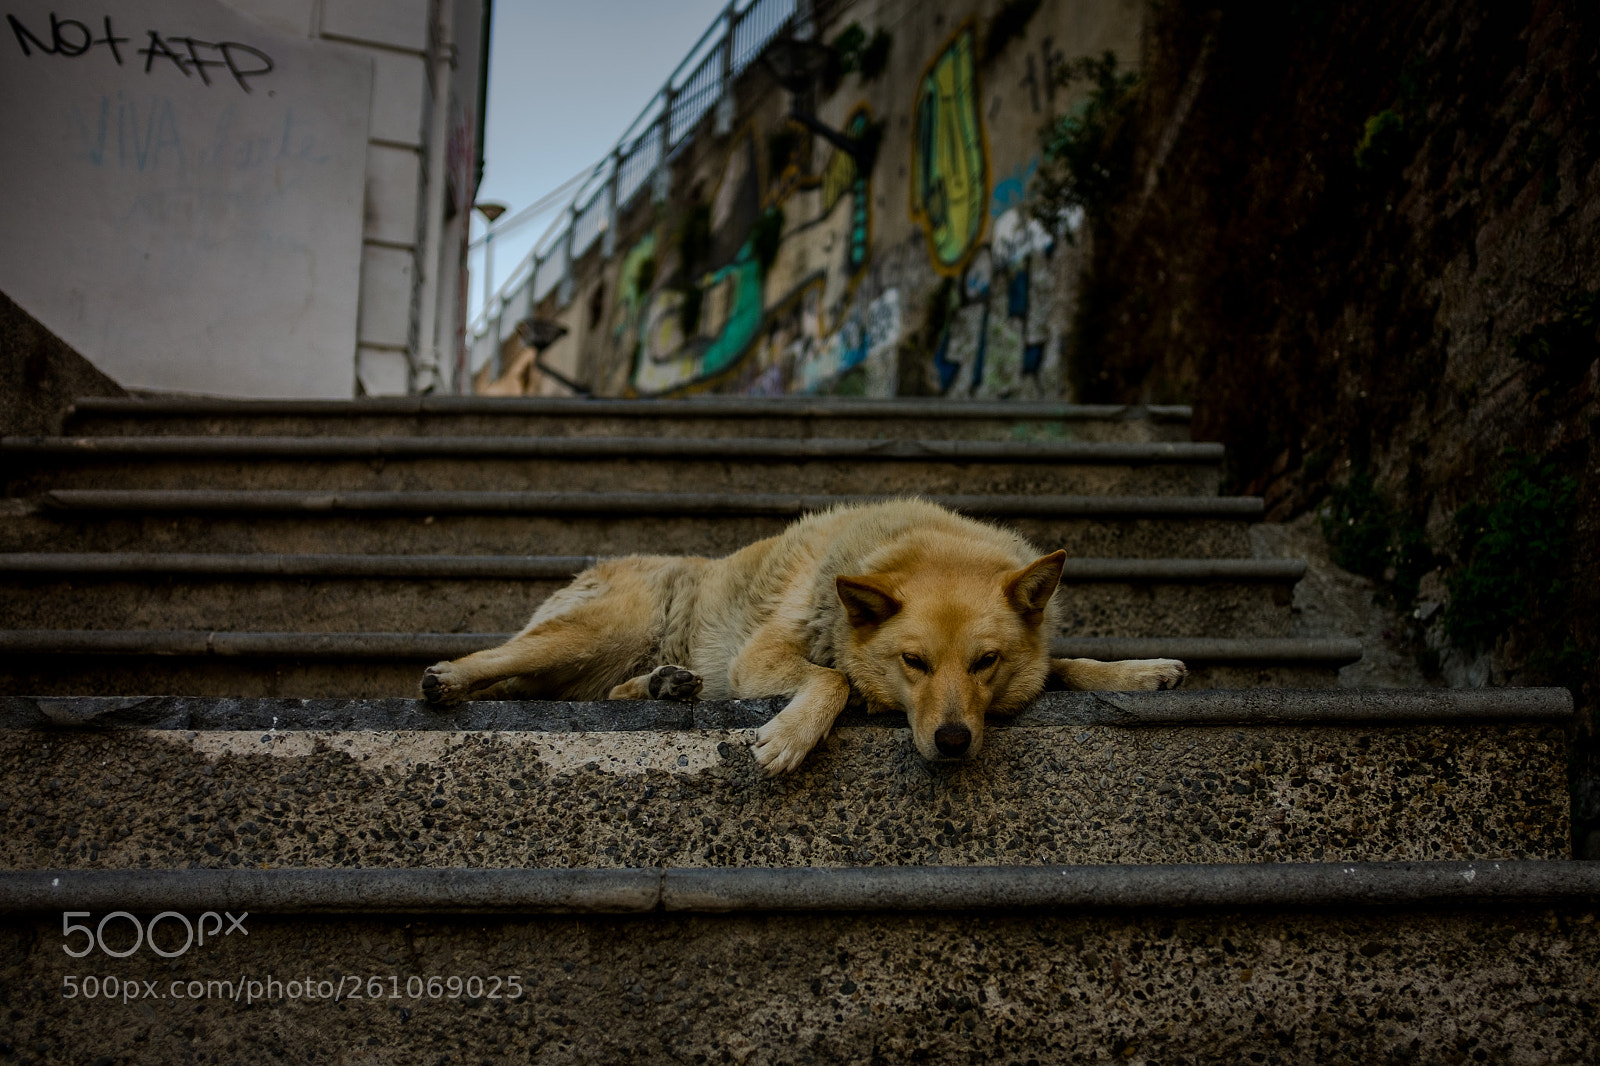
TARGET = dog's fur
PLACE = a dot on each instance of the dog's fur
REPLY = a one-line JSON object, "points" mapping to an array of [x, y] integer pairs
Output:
{"points": [[910, 606]]}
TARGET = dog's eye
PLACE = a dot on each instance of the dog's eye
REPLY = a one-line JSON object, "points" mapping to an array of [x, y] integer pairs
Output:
{"points": [[914, 662], [985, 662]]}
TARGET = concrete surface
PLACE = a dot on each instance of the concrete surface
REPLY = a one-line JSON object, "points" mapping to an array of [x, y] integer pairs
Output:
{"points": [[641, 473], [26, 528], [901, 420], [1431, 984], [1046, 794], [343, 604]]}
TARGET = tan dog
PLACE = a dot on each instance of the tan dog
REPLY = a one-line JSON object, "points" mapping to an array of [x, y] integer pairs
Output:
{"points": [[907, 604]]}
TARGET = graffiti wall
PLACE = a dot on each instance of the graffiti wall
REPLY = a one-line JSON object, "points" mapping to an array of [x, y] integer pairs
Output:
{"points": [[893, 251]]}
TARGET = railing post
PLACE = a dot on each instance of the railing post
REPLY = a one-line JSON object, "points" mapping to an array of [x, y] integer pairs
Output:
{"points": [[564, 290], [804, 27], [499, 336], [661, 185], [608, 237], [725, 102]]}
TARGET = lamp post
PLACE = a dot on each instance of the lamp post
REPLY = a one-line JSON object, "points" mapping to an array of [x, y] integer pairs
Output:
{"points": [[797, 65], [539, 334], [490, 210]]}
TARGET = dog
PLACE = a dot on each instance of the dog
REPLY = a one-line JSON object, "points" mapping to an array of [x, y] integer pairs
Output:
{"points": [[902, 603]]}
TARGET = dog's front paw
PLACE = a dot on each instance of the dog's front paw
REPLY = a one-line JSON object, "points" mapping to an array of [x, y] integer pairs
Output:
{"points": [[440, 686], [674, 683], [783, 743], [1157, 673]]}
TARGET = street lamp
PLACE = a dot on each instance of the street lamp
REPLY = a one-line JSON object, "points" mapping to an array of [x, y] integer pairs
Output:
{"points": [[539, 334], [490, 210], [798, 65]]}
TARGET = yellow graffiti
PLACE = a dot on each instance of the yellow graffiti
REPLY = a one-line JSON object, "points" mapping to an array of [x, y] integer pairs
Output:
{"points": [[838, 177], [949, 180]]}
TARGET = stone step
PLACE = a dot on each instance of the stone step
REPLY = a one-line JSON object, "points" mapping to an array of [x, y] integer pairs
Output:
{"points": [[333, 593], [1286, 963], [1269, 776], [708, 417], [629, 464], [576, 523], [367, 665]]}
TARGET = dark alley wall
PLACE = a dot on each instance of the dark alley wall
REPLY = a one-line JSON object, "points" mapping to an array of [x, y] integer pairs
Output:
{"points": [[1364, 241], [40, 375]]}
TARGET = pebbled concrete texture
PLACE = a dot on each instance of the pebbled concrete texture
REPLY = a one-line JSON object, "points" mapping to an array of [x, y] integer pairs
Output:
{"points": [[1432, 985], [491, 605], [26, 528], [1053, 794]]}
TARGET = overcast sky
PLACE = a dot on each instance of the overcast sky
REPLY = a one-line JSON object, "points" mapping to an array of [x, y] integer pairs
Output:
{"points": [[565, 79]]}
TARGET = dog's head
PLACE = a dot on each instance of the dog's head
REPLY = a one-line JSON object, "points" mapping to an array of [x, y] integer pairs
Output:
{"points": [[949, 643]]}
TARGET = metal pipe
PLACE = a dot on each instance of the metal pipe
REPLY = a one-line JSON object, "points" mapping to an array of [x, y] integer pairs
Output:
{"points": [[425, 375]]}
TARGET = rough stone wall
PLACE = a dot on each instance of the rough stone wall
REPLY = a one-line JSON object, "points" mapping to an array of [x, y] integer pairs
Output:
{"points": [[1346, 230], [924, 276], [40, 375]]}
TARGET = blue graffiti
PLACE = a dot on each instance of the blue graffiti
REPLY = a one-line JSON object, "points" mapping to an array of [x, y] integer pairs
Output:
{"points": [[1012, 190]]}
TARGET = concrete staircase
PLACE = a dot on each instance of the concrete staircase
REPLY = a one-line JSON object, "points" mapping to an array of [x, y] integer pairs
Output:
{"points": [[1259, 867]]}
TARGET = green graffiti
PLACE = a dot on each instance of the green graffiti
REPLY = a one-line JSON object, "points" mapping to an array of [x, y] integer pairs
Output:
{"points": [[634, 282], [744, 313], [949, 182]]}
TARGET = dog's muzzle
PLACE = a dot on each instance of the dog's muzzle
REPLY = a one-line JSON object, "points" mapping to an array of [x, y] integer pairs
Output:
{"points": [[952, 740]]}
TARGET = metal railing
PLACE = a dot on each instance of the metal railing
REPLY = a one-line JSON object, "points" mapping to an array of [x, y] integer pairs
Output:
{"points": [[639, 160]]}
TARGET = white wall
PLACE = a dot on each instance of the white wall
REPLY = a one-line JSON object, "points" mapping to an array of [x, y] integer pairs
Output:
{"points": [[194, 237], [184, 226]]}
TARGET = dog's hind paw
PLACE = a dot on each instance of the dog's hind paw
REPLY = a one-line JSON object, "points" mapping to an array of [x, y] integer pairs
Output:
{"points": [[440, 687], [674, 683]]}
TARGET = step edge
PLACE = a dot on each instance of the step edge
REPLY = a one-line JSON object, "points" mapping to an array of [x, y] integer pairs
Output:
{"points": [[312, 502], [1181, 707], [1086, 570], [432, 645], [1472, 884], [741, 407], [233, 447]]}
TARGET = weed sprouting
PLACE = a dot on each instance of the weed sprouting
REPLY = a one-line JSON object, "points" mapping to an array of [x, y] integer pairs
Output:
{"points": [[1370, 537], [1085, 162], [1512, 551]]}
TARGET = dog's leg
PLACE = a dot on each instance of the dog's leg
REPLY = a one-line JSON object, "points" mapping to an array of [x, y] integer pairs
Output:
{"points": [[668, 682], [1124, 676], [588, 640], [775, 664]]}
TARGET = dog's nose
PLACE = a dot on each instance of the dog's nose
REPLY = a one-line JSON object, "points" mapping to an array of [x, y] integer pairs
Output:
{"points": [[952, 740]]}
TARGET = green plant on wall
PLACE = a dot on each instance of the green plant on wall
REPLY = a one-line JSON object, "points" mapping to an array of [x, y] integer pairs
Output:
{"points": [[1513, 551], [1008, 24], [1371, 537], [766, 236], [875, 56], [1564, 347], [783, 144], [855, 53], [1383, 142], [1084, 162], [693, 239]]}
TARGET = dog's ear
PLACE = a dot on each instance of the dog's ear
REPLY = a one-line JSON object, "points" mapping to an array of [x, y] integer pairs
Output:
{"points": [[1029, 590], [865, 601]]}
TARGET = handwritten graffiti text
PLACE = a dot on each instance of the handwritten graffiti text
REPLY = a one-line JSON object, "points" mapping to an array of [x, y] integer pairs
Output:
{"points": [[190, 56]]}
